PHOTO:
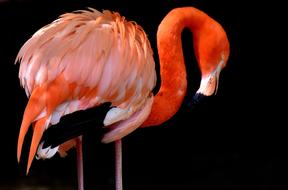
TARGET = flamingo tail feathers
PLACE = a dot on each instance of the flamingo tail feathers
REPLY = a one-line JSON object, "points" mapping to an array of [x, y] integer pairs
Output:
{"points": [[34, 107], [39, 128], [43, 101]]}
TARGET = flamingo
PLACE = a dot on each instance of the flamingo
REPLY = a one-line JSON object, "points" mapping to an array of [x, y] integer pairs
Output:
{"points": [[87, 58]]}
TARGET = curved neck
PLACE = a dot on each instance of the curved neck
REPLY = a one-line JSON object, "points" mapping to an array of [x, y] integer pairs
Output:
{"points": [[172, 68]]}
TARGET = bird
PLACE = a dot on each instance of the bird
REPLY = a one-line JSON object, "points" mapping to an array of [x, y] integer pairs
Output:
{"points": [[87, 58]]}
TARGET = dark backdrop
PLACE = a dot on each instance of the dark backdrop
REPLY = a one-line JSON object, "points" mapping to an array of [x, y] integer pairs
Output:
{"points": [[234, 140]]}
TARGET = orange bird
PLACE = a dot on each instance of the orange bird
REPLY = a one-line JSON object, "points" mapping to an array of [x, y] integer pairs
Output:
{"points": [[87, 58]]}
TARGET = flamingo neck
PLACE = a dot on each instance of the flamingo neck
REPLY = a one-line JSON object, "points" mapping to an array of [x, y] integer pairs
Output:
{"points": [[172, 68]]}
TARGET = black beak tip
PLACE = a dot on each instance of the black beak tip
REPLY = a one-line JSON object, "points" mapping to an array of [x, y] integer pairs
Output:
{"points": [[197, 100]]}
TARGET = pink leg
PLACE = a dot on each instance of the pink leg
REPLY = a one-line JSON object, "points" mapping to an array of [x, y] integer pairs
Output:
{"points": [[79, 163], [118, 165]]}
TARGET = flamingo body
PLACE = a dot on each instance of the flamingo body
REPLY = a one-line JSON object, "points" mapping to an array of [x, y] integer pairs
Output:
{"points": [[82, 60]]}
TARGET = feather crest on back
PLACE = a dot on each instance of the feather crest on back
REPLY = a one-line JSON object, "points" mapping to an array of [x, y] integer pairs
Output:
{"points": [[91, 49]]}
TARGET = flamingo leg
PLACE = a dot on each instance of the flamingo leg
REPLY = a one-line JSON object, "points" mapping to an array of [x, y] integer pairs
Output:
{"points": [[118, 165], [80, 163]]}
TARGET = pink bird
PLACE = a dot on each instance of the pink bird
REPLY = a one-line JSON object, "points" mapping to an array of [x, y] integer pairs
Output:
{"points": [[87, 58]]}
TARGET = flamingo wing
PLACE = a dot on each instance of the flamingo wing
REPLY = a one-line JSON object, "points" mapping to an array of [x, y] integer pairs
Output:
{"points": [[79, 61]]}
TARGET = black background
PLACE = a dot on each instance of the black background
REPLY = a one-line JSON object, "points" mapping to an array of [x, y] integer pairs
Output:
{"points": [[235, 140]]}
